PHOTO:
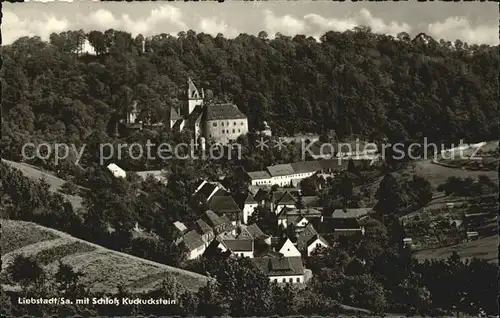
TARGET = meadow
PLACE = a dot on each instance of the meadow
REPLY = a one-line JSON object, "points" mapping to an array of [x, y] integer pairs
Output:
{"points": [[103, 269]]}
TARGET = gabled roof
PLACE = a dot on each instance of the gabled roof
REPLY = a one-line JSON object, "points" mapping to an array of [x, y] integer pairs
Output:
{"points": [[207, 189], [223, 111], [351, 213], [202, 227], [310, 200], [308, 236], [306, 166], [223, 205], [212, 219], [255, 231], [280, 170], [250, 199], [261, 195], [259, 175], [192, 240], [239, 245], [286, 199], [280, 266]]}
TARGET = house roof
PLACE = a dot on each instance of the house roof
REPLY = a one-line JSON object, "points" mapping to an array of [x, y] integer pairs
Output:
{"points": [[261, 195], [180, 226], [308, 213], [329, 225], [250, 199], [207, 189], [223, 205], [280, 266], [212, 219], [255, 231], [192, 240], [258, 175], [286, 199], [223, 111], [280, 170], [306, 166], [350, 213], [310, 200], [334, 164], [308, 236], [202, 227], [239, 245]]}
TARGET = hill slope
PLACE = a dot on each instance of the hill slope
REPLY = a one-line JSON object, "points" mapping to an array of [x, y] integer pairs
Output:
{"points": [[485, 248], [54, 182], [103, 269]]}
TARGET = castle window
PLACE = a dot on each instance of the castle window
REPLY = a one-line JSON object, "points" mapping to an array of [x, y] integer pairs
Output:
{"points": [[298, 279], [234, 123], [222, 130], [222, 124], [215, 124], [241, 123], [238, 130], [233, 131]]}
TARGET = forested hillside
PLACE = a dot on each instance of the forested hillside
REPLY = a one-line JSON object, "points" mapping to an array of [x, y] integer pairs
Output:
{"points": [[355, 82]]}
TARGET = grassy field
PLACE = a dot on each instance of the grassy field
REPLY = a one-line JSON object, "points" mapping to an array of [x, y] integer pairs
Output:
{"points": [[485, 248], [18, 235], [103, 269], [437, 174], [54, 182]]}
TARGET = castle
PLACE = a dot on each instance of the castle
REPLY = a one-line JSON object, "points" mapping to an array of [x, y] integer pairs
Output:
{"points": [[211, 122]]}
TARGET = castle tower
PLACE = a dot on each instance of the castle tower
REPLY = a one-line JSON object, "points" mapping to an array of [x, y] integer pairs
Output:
{"points": [[194, 98]]}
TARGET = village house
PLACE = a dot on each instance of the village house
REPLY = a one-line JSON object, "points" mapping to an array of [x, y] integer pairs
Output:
{"points": [[194, 244], [207, 190], [158, 175], [285, 247], [255, 233], [282, 269], [205, 231], [297, 217], [309, 240], [240, 247], [280, 200], [218, 224], [291, 174], [116, 171], [226, 206], [342, 222], [248, 207]]}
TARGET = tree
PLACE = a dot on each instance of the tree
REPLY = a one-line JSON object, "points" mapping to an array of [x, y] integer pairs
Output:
{"points": [[26, 270], [284, 300], [308, 187], [212, 302], [389, 196], [69, 188]]}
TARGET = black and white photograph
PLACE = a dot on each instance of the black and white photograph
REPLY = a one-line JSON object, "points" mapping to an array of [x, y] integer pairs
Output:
{"points": [[249, 159]]}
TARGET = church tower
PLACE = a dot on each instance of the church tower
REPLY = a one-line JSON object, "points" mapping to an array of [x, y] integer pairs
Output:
{"points": [[194, 98]]}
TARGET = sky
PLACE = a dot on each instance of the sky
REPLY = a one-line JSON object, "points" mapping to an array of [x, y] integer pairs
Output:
{"points": [[472, 22]]}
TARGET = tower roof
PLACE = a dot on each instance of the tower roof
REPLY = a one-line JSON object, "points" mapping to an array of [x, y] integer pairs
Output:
{"points": [[192, 90]]}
